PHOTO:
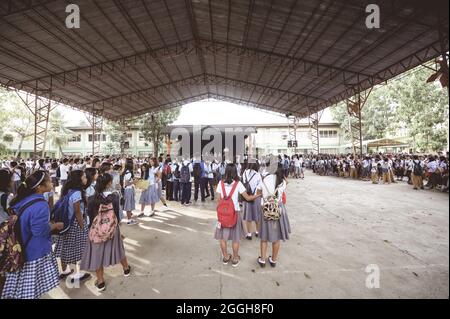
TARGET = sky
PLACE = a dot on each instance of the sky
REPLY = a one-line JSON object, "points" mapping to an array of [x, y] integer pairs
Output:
{"points": [[210, 112]]}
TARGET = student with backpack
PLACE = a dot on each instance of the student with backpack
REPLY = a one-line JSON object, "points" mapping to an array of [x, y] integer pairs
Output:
{"points": [[64, 169], [105, 246], [34, 272], [185, 182], [71, 244], [417, 173], [52, 173], [274, 225], [229, 224], [252, 209]]}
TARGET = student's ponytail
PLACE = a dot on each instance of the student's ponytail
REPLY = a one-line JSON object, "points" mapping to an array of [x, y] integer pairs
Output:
{"points": [[28, 187]]}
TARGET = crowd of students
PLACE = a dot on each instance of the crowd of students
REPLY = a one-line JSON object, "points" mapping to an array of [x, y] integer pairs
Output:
{"points": [[91, 188], [415, 169]]}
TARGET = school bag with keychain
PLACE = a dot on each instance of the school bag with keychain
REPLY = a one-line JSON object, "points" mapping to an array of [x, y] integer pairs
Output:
{"points": [[226, 214], [60, 213], [12, 248], [104, 224], [270, 205]]}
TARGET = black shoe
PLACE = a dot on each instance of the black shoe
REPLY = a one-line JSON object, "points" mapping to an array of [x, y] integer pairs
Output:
{"points": [[272, 263], [100, 287], [261, 263], [249, 237], [86, 276], [64, 276], [127, 272]]}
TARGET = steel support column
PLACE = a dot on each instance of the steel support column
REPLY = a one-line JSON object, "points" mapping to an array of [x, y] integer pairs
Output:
{"points": [[354, 108], [314, 118], [95, 119], [39, 104], [292, 132]]}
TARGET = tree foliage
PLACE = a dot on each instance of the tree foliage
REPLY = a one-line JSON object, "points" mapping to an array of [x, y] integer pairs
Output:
{"points": [[409, 104], [153, 124]]}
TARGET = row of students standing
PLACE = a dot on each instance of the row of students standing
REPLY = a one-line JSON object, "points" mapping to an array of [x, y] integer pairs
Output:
{"points": [[269, 231]]}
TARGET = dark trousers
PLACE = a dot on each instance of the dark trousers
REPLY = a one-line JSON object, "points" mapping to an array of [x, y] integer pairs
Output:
{"points": [[185, 192], [176, 190], [209, 187], [199, 184], [169, 190]]}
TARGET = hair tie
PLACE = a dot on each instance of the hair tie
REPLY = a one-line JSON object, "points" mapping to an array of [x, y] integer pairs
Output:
{"points": [[39, 182]]}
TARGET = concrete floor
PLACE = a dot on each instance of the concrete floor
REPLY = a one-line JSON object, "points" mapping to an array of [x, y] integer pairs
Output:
{"points": [[339, 227]]}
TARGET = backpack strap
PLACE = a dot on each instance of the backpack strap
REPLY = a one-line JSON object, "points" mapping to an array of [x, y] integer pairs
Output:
{"points": [[20, 212], [3, 200], [233, 188]]}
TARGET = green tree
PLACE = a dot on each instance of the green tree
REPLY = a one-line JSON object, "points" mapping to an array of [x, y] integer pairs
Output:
{"points": [[406, 103], [117, 135], [423, 108], [153, 124], [58, 132]]}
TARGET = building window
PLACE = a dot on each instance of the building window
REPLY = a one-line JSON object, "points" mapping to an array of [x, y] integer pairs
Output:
{"points": [[141, 137], [129, 136], [328, 134], [75, 138], [97, 137]]}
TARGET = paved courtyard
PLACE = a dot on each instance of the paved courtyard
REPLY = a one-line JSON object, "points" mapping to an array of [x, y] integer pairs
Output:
{"points": [[339, 227]]}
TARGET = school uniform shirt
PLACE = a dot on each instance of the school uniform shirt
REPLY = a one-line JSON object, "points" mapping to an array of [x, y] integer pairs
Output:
{"points": [[52, 173], [253, 177], [90, 191], [47, 195], [269, 188], [432, 166], [127, 179], [297, 162], [235, 198], [17, 174], [209, 171], [64, 171], [35, 227]]}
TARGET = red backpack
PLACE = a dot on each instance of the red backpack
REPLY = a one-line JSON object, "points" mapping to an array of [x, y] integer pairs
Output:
{"points": [[226, 213]]}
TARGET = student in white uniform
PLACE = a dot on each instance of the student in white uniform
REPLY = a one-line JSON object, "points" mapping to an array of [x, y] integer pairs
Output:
{"points": [[5, 193], [273, 231], [252, 209], [230, 183], [64, 169], [16, 176]]}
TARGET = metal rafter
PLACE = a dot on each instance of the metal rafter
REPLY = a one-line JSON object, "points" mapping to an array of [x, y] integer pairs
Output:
{"points": [[10, 7], [314, 116]]}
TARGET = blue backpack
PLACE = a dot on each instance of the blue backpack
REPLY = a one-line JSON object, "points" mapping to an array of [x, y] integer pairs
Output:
{"points": [[60, 212]]}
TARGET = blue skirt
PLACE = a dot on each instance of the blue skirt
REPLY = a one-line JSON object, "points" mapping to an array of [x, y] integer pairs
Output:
{"points": [[35, 279], [273, 231], [149, 196], [130, 202]]}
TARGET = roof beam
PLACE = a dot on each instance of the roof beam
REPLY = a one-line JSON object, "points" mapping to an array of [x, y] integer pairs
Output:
{"points": [[210, 79], [10, 7]]}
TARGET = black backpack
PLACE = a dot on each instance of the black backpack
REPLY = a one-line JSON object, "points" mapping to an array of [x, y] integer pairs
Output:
{"points": [[176, 173], [248, 188], [197, 170], [418, 170], [58, 172]]}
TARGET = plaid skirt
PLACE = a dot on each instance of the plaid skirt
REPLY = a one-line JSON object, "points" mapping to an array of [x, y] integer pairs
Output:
{"points": [[35, 279], [71, 245]]}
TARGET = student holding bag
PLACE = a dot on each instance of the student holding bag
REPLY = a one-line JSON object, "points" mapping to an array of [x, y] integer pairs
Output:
{"points": [[229, 225], [105, 246], [274, 225]]}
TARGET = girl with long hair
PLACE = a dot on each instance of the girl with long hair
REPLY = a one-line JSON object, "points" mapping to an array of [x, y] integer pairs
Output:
{"points": [[40, 270], [111, 252], [273, 231], [150, 196], [70, 246]]}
